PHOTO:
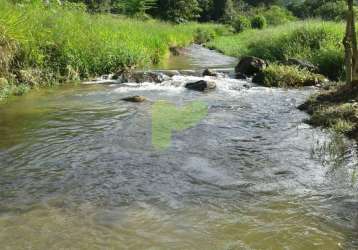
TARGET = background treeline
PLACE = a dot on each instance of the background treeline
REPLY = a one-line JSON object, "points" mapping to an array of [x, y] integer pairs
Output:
{"points": [[214, 10]]}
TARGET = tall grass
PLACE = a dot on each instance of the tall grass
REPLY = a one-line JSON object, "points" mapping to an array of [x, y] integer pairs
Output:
{"points": [[63, 42], [314, 40]]}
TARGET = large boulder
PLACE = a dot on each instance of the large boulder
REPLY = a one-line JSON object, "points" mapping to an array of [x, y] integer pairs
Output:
{"points": [[301, 64], [249, 66], [201, 85]]}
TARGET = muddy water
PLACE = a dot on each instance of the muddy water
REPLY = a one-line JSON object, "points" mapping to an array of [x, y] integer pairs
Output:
{"points": [[78, 171]]}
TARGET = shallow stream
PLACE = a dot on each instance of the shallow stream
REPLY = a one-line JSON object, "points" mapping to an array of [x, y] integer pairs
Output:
{"points": [[78, 169]]}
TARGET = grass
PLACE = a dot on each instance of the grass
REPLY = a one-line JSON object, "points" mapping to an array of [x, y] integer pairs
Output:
{"points": [[336, 109], [41, 45], [284, 76], [314, 40]]}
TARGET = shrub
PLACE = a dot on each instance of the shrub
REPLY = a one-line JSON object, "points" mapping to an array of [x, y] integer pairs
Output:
{"points": [[288, 76], [204, 35], [241, 23], [258, 22]]}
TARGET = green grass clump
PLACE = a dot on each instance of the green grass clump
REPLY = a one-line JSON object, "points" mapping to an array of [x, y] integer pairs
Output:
{"points": [[63, 42], [258, 22], [336, 109], [288, 76], [316, 41]]}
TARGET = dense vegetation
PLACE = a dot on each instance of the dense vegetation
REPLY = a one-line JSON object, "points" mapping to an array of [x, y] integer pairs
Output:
{"points": [[216, 10], [316, 41], [44, 44]]}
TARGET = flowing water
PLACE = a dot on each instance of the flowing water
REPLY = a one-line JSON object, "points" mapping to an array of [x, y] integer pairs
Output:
{"points": [[78, 170]]}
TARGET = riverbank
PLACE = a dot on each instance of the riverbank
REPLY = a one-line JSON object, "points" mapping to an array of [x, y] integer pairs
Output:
{"points": [[336, 109], [316, 41], [43, 45]]}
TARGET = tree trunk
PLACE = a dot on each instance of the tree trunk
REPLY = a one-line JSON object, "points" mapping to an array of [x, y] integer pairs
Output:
{"points": [[350, 46], [348, 50]]}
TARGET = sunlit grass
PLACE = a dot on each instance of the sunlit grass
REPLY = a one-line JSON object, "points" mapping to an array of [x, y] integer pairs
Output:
{"points": [[63, 41], [314, 40]]}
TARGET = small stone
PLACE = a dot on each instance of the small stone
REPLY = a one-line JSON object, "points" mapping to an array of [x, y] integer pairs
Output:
{"points": [[210, 72], [136, 99], [201, 85]]}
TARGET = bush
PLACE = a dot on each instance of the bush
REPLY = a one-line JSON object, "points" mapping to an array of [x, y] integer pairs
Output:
{"points": [[288, 76], [204, 35], [258, 22], [241, 23]]}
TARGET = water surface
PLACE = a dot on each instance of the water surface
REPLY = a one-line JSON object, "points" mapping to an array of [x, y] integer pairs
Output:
{"points": [[78, 171]]}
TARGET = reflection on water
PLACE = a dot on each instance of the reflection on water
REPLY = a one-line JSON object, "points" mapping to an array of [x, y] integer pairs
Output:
{"points": [[271, 225], [78, 171], [338, 158]]}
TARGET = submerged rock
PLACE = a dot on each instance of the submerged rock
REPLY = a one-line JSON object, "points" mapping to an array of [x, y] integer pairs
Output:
{"points": [[136, 99], [141, 76], [249, 66], [201, 85], [176, 51], [210, 72]]}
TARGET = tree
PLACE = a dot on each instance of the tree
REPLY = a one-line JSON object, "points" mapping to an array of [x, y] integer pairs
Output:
{"points": [[137, 8], [178, 11], [229, 12], [350, 46]]}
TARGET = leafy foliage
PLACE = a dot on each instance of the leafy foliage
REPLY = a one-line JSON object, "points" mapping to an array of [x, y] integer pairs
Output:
{"points": [[325, 9]]}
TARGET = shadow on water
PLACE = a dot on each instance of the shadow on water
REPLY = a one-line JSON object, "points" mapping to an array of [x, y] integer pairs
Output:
{"points": [[341, 162], [78, 171]]}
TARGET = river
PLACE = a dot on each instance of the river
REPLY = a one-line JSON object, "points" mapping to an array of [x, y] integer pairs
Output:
{"points": [[78, 169]]}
